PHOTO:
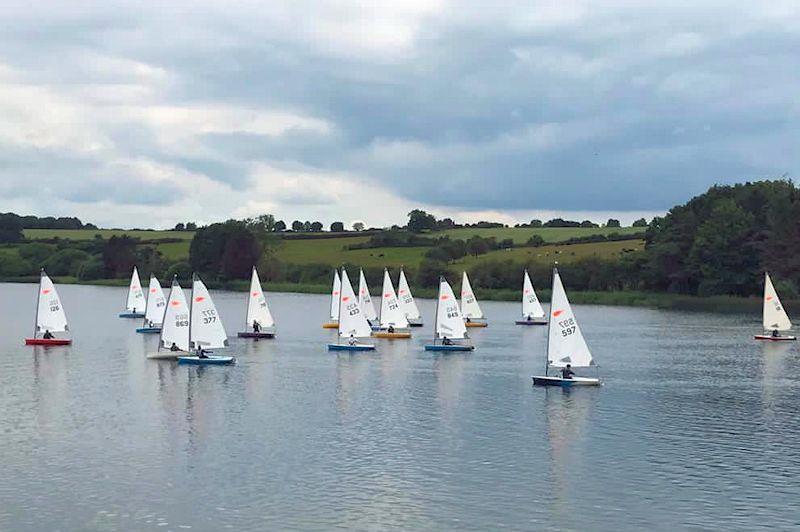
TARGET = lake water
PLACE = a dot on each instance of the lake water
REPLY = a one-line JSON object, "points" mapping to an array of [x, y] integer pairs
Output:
{"points": [[697, 426]]}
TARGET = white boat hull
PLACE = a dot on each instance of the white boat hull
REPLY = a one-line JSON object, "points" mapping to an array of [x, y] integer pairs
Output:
{"points": [[543, 380], [166, 354]]}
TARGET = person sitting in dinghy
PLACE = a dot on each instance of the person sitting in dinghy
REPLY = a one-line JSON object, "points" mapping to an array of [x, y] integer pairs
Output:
{"points": [[390, 329], [352, 340], [201, 353], [256, 327], [447, 341], [775, 333], [567, 373], [47, 335], [174, 347]]}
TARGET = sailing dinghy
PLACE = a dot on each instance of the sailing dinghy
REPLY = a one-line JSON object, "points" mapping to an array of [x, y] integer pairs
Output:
{"points": [[565, 343], [407, 302], [449, 322], [259, 319], [205, 328], [365, 299], [135, 303], [174, 340], [50, 317], [393, 321], [470, 309], [532, 311], [352, 322], [154, 313], [333, 323], [775, 317]]}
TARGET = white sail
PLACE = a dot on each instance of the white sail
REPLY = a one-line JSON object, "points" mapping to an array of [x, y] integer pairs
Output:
{"points": [[775, 317], [135, 301], [530, 303], [406, 299], [365, 299], [335, 290], [175, 328], [565, 343], [352, 321], [257, 309], [49, 310], [206, 329], [391, 313], [469, 305], [449, 322], [155, 303]]}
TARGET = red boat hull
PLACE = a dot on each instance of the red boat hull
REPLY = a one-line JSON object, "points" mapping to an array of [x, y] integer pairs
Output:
{"points": [[47, 341], [775, 338]]}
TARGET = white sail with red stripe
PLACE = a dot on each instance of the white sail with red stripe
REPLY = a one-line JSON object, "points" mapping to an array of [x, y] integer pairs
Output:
{"points": [[449, 322], [565, 343], [352, 321]]}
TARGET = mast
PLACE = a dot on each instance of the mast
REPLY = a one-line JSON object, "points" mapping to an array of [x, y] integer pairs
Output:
{"points": [[436, 316], [333, 282], [38, 297], [247, 301], [166, 306], [191, 310], [522, 302], [549, 319], [339, 330]]}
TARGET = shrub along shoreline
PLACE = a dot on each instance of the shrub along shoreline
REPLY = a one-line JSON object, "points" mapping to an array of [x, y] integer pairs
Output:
{"points": [[626, 298]]}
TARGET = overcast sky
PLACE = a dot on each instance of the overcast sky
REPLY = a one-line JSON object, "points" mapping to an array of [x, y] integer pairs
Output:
{"points": [[136, 114]]}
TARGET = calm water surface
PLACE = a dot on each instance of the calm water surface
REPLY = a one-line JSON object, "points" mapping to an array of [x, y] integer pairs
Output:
{"points": [[696, 427]]}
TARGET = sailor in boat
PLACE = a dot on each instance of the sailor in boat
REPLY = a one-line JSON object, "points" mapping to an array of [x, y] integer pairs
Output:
{"points": [[352, 340], [256, 327], [47, 335], [174, 347], [390, 329], [775, 333], [201, 353], [468, 320], [447, 341], [567, 373]]}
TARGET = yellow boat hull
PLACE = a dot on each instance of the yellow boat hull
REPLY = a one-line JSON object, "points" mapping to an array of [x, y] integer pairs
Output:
{"points": [[392, 335], [330, 325], [476, 324]]}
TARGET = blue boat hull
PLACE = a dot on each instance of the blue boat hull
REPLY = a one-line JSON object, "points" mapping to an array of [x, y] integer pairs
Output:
{"points": [[131, 315], [210, 361], [347, 347], [148, 330], [440, 347]]}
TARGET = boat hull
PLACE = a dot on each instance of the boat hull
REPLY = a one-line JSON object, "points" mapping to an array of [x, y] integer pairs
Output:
{"points": [[542, 380], [531, 322], [330, 325], [48, 341], [770, 338], [397, 335], [250, 334], [148, 330], [139, 315], [454, 347], [476, 324], [212, 360], [348, 347]]}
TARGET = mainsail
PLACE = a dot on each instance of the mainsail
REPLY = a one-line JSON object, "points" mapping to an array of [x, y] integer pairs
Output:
{"points": [[49, 310], [352, 321], [775, 317], [449, 322], [391, 313], [530, 303], [365, 299], [406, 299], [155, 303], [565, 343], [335, 289], [175, 328], [206, 330], [257, 309], [135, 301], [469, 305]]}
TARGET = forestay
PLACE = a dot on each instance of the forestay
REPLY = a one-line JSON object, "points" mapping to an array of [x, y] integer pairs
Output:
{"points": [[391, 313], [155, 303], [175, 328], [257, 309], [206, 329], [50, 314], [352, 321], [449, 322], [469, 305], [565, 343], [365, 299], [406, 299], [530, 303], [135, 299], [335, 289], [775, 317]]}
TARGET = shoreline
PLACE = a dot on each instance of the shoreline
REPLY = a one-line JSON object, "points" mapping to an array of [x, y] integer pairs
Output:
{"points": [[654, 300]]}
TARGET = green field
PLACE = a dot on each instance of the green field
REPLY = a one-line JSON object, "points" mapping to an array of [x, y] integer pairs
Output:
{"points": [[520, 235], [88, 234]]}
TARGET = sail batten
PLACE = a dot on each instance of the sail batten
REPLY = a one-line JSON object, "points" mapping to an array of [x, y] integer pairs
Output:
{"points": [[775, 317], [565, 342]]}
